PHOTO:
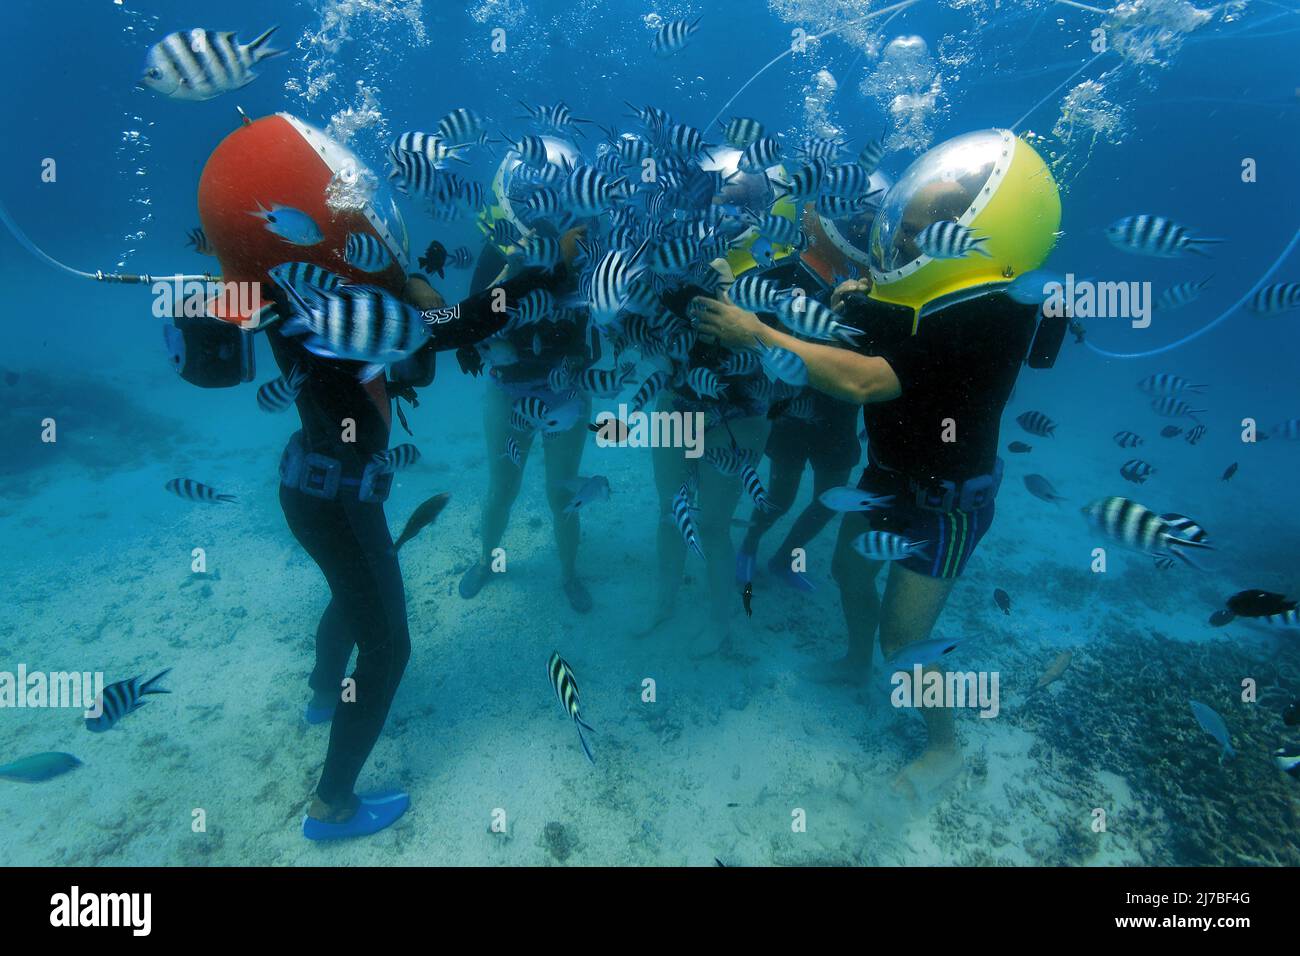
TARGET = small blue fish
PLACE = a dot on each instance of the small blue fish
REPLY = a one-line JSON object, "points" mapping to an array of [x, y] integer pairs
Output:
{"points": [[585, 491], [1031, 288], [923, 652], [1213, 725], [762, 251], [291, 225], [124, 697], [846, 498], [39, 767]]}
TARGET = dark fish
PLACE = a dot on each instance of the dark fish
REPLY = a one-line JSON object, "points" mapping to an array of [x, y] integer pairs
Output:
{"points": [[1229, 472], [124, 697], [1002, 599], [39, 767], [434, 258], [1040, 487], [747, 596], [1020, 448], [1221, 617], [1291, 716], [422, 517], [1170, 431], [1256, 603]]}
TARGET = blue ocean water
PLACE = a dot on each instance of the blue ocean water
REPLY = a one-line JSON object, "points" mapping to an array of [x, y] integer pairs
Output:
{"points": [[1185, 111]]}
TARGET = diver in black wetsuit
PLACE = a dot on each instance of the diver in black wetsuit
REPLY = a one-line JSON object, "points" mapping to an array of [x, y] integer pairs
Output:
{"points": [[333, 502]]}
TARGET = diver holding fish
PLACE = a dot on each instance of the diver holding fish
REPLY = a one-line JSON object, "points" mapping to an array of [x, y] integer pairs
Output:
{"points": [[342, 312], [942, 348]]}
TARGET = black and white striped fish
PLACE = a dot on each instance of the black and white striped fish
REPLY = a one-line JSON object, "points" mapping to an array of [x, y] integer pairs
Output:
{"points": [[728, 460], [534, 414], [461, 125], [610, 281], [871, 155], [1155, 236], [532, 308], [431, 146], [681, 514], [1279, 297], [1171, 407], [754, 487], [1166, 383], [192, 490], [778, 229], [541, 252], [651, 387], [684, 140], [887, 546], [460, 258], [740, 364], [741, 132], [356, 323], [589, 192], [849, 180], [1036, 423], [366, 252], [807, 317], [841, 207], [1184, 528], [1138, 528], [198, 241], [512, 452], [820, 147], [1181, 294], [759, 155], [674, 35], [1195, 434], [531, 150], [122, 698], [414, 175], [1136, 470], [950, 240], [674, 256], [200, 64], [279, 393], [566, 691], [754, 293], [1283, 619], [803, 186], [1127, 439], [705, 383], [397, 457], [605, 382]]}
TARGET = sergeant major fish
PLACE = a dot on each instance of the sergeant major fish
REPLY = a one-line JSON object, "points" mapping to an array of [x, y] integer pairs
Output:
{"points": [[200, 64], [279, 393], [192, 490], [124, 697], [566, 691]]}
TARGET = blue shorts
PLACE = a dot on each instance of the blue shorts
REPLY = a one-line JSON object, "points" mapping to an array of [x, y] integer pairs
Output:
{"points": [[951, 536]]}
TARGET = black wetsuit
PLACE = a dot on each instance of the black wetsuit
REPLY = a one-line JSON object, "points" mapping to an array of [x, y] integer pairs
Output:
{"points": [[349, 539], [961, 365]]}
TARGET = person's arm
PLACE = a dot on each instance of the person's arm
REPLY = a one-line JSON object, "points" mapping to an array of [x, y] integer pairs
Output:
{"points": [[840, 373]]}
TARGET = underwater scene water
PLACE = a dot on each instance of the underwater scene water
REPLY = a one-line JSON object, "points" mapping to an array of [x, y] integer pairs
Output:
{"points": [[641, 658]]}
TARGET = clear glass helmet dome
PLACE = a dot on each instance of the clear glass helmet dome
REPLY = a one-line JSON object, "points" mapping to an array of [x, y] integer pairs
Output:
{"points": [[953, 182], [559, 152], [851, 234]]}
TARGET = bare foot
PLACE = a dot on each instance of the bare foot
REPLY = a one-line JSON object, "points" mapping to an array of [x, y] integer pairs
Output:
{"points": [[844, 670], [928, 773], [663, 614]]}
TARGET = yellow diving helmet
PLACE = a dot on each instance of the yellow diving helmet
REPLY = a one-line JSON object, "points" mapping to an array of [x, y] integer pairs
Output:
{"points": [[752, 192], [989, 181]]}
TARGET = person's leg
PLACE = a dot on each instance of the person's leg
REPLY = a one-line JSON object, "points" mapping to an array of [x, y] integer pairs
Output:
{"points": [[783, 477], [911, 606], [718, 496], [563, 459], [670, 470], [856, 577], [318, 525], [504, 480], [373, 600], [816, 516]]}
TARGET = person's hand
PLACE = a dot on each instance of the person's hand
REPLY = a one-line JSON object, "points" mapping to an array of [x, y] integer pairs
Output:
{"points": [[422, 295], [723, 320], [851, 287], [569, 244]]}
